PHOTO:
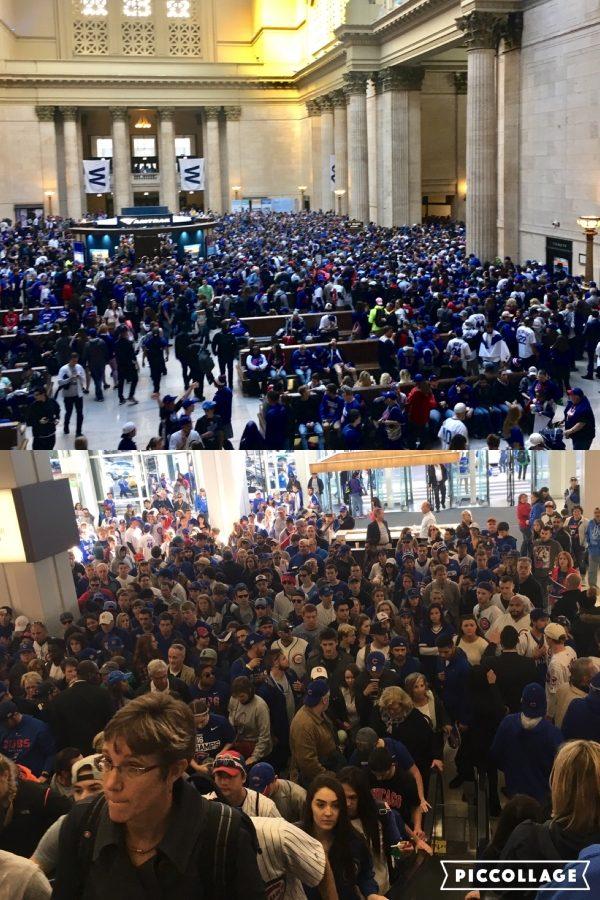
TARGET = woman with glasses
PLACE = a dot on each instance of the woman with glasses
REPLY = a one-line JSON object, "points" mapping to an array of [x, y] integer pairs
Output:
{"points": [[150, 833]]}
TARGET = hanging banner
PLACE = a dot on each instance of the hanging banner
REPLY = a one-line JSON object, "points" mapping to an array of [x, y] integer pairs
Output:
{"points": [[332, 170], [97, 176], [192, 174]]}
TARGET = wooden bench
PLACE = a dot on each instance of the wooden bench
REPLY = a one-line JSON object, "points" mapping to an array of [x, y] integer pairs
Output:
{"points": [[15, 376], [263, 328], [359, 354], [33, 311]]}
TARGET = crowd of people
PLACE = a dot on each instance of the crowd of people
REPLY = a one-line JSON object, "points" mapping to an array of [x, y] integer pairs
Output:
{"points": [[465, 348], [260, 714]]}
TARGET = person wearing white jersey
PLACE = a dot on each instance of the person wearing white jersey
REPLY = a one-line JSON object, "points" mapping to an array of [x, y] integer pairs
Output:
{"points": [[293, 647], [229, 773], [290, 858], [527, 343], [559, 670], [454, 426]]}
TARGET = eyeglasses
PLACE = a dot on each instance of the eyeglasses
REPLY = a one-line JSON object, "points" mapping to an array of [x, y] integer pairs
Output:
{"points": [[105, 765]]}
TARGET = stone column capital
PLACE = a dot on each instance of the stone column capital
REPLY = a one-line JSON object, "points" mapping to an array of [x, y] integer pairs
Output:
{"points": [[212, 113], [69, 113], [355, 83], [45, 113], [401, 78], [166, 113], [338, 98], [233, 113], [119, 113], [510, 30], [459, 80], [325, 102], [480, 30], [312, 108]]}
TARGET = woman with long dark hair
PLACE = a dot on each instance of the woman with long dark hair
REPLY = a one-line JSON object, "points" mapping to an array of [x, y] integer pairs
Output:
{"points": [[368, 817], [326, 819], [146, 648]]}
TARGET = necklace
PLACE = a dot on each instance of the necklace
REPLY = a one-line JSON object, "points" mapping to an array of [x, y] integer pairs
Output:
{"points": [[142, 852]]}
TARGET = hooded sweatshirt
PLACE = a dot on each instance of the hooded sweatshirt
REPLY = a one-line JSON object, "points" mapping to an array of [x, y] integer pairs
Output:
{"points": [[524, 749], [582, 718]]}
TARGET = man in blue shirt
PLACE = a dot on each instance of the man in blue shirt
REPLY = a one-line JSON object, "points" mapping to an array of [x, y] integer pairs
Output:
{"points": [[592, 542], [26, 740], [276, 423]]}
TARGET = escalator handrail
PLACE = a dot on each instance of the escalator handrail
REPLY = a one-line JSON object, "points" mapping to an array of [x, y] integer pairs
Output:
{"points": [[482, 811]]}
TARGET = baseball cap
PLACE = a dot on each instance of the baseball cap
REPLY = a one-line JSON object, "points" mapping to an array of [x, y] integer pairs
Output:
{"points": [[169, 398], [538, 613], [460, 409], [86, 769], [187, 403], [398, 642], [554, 631], [106, 618], [231, 762], [224, 637], [377, 628], [128, 428], [375, 662], [114, 642], [366, 739], [261, 603], [315, 692], [535, 440], [202, 629], [208, 654], [253, 639], [577, 392], [533, 701], [24, 646], [208, 404], [116, 676], [260, 776], [318, 672], [7, 708], [21, 623], [532, 370]]}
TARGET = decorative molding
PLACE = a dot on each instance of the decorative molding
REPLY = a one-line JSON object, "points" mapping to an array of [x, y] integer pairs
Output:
{"points": [[83, 82], [45, 113], [69, 113], [401, 78], [119, 113], [481, 30], [212, 113], [166, 113], [338, 98], [459, 80], [233, 113], [312, 108], [325, 103], [355, 83]]}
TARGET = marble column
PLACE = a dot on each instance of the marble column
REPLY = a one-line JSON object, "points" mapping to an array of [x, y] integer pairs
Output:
{"points": [[122, 190], [169, 186], [481, 39], [459, 204], [316, 163], [49, 173], [327, 149], [213, 159], [340, 143], [355, 88], [73, 162], [509, 136], [373, 145], [400, 132], [233, 138]]}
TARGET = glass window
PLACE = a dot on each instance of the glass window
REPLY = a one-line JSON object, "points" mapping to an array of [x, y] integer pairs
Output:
{"points": [[183, 146], [140, 9], [178, 9], [93, 7], [104, 147], [145, 146]]}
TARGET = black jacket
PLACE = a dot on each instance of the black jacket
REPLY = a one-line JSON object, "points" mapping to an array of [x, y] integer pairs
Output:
{"points": [[513, 672], [373, 532], [35, 809], [176, 685], [81, 711]]}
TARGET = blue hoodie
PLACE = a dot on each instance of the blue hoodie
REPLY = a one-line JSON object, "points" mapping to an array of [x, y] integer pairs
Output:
{"points": [[582, 718], [30, 744], [454, 685], [526, 755], [592, 538]]}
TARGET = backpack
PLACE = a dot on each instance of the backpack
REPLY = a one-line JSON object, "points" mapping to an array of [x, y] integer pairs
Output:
{"points": [[215, 845]]}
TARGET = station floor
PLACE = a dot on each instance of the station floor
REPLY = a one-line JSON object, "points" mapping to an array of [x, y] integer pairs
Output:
{"points": [[103, 421]]}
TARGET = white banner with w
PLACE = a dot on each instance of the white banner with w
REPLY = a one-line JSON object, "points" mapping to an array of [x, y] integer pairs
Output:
{"points": [[97, 176], [192, 174]]}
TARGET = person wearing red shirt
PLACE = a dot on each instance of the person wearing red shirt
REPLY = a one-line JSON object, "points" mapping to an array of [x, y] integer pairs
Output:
{"points": [[419, 404]]}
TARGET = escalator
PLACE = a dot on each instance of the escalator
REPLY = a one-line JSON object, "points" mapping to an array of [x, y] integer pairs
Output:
{"points": [[424, 877]]}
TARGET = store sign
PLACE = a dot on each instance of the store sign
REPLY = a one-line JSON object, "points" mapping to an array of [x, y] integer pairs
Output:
{"points": [[11, 542], [137, 221]]}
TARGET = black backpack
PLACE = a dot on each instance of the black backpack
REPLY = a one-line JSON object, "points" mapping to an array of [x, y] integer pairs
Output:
{"points": [[215, 847]]}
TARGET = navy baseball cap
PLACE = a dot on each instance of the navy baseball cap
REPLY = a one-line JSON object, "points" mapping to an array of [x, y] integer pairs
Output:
{"points": [[533, 701], [261, 776], [375, 661], [315, 692], [398, 642], [253, 639]]}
